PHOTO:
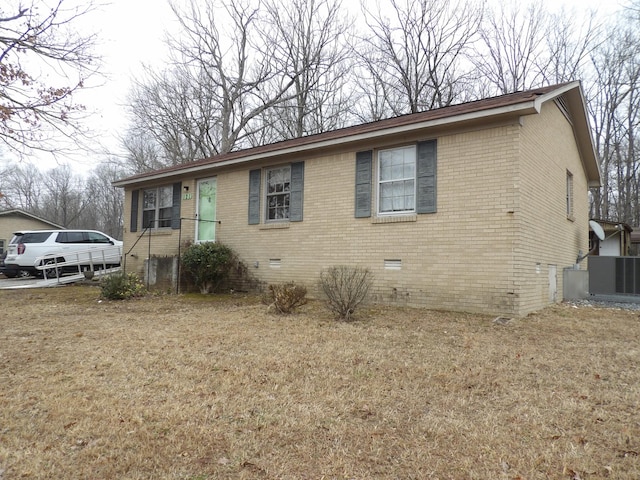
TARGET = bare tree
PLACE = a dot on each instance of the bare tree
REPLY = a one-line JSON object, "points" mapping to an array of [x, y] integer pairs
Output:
{"points": [[20, 186], [524, 46], [222, 80], [632, 9], [371, 102], [615, 110], [144, 153], [174, 119], [571, 39], [104, 210], [244, 79], [63, 197], [513, 38], [43, 61], [415, 58], [309, 40]]}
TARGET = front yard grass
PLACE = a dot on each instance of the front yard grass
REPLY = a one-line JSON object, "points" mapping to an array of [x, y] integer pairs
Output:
{"points": [[215, 387]]}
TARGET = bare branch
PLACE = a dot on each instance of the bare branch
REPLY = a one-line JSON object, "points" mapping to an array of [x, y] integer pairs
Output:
{"points": [[415, 58], [34, 47]]}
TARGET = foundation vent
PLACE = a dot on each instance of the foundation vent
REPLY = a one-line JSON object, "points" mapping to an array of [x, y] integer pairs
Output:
{"points": [[393, 264], [275, 263]]}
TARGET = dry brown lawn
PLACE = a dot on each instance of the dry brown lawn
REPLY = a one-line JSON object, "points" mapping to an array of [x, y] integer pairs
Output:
{"points": [[190, 387]]}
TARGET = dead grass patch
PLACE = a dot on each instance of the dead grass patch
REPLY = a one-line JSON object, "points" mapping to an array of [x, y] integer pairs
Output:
{"points": [[191, 387]]}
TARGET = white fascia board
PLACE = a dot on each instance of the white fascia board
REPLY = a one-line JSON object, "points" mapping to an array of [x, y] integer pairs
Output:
{"points": [[554, 94], [521, 108], [582, 127]]}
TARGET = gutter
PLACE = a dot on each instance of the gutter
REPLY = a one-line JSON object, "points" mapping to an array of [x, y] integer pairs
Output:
{"points": [[524, 108]]}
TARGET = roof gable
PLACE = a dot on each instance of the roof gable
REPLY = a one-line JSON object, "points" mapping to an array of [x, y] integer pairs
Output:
{"points": [[21, 213]]}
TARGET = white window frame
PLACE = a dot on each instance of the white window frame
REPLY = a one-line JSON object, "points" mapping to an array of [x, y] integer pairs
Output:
{"points": [[569, 195], [380, 182], [285, 194], [158, 223]]}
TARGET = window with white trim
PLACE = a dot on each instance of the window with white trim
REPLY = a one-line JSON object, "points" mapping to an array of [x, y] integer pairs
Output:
{"points": [[278, 193], [157, 207], [397, 180], [569, 195]]}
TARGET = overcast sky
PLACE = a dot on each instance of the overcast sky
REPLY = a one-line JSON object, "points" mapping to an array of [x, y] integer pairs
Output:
{"points": [[131, 32]]}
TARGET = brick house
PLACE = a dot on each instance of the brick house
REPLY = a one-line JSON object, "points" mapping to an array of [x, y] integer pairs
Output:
{"points": [[15, 220], [474, 207]]}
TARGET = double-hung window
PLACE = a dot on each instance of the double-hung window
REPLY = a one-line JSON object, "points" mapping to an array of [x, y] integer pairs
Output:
{"points": [[157, 207], [404, 183], [569, 195], [397, 180], [278, 193]]}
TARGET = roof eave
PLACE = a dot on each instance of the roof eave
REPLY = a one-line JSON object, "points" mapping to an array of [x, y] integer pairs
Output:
{"points": [[584, 137], [515, 110], [17, 211]]}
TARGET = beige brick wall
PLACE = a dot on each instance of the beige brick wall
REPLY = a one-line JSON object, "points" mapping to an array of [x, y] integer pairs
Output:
{"points": [[477, 253], [548, 237], [163, 242]]}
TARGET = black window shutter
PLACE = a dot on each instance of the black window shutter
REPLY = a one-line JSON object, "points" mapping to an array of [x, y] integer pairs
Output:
{"points": [[133, 227], [297, 186], [426, 177], [254, 197], [363, 184], [175, 213]]}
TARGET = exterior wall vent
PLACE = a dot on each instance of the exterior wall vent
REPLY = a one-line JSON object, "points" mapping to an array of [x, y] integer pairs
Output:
{"points": [[561, 102], [393, 264], [275, 263]]}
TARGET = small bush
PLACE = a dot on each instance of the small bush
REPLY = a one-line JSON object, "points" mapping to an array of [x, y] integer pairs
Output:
{"points": [[209, 265], [286, 297], [121, 286], [345, 287]]}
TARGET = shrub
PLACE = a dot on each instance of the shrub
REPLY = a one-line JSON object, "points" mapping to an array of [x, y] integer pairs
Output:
{"points": [[345, 287], [121, 286], [209, 264], [286, 297]]}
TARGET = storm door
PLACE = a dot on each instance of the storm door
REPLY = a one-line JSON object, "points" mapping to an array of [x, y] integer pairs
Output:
{"points": [[206, 224]]}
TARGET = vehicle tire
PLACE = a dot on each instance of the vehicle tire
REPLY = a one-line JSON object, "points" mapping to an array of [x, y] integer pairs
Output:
{"points": [[23, 274], [52, 272]]}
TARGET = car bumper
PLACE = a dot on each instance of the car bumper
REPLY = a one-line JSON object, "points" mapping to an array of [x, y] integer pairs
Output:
{"points": [[11, 267]]}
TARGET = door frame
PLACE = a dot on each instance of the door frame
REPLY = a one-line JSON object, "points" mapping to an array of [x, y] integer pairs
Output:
{"points": [[197, 213]]}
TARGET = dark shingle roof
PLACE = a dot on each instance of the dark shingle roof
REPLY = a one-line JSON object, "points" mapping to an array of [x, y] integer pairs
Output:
{"points": [[478, 106]]}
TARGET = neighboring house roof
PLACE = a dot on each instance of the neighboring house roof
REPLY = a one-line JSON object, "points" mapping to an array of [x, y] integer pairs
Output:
{"points": [[609, 226], [22, 213], [510, 105]]}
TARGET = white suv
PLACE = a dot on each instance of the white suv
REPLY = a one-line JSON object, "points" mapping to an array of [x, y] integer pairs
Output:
{"points": [[84, 248]]}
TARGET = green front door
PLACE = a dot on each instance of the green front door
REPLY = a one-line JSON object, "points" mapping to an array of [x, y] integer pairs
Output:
{"points": [[206, 224]]}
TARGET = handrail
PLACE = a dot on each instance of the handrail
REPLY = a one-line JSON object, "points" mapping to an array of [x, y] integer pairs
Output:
{"points": [[139, 238]]}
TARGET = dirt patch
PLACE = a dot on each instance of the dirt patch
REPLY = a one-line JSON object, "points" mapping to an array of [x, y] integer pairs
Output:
{"points": [[195, 387]]}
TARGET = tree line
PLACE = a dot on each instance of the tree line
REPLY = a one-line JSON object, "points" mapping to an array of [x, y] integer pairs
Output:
{"points": [[248, 72]]}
